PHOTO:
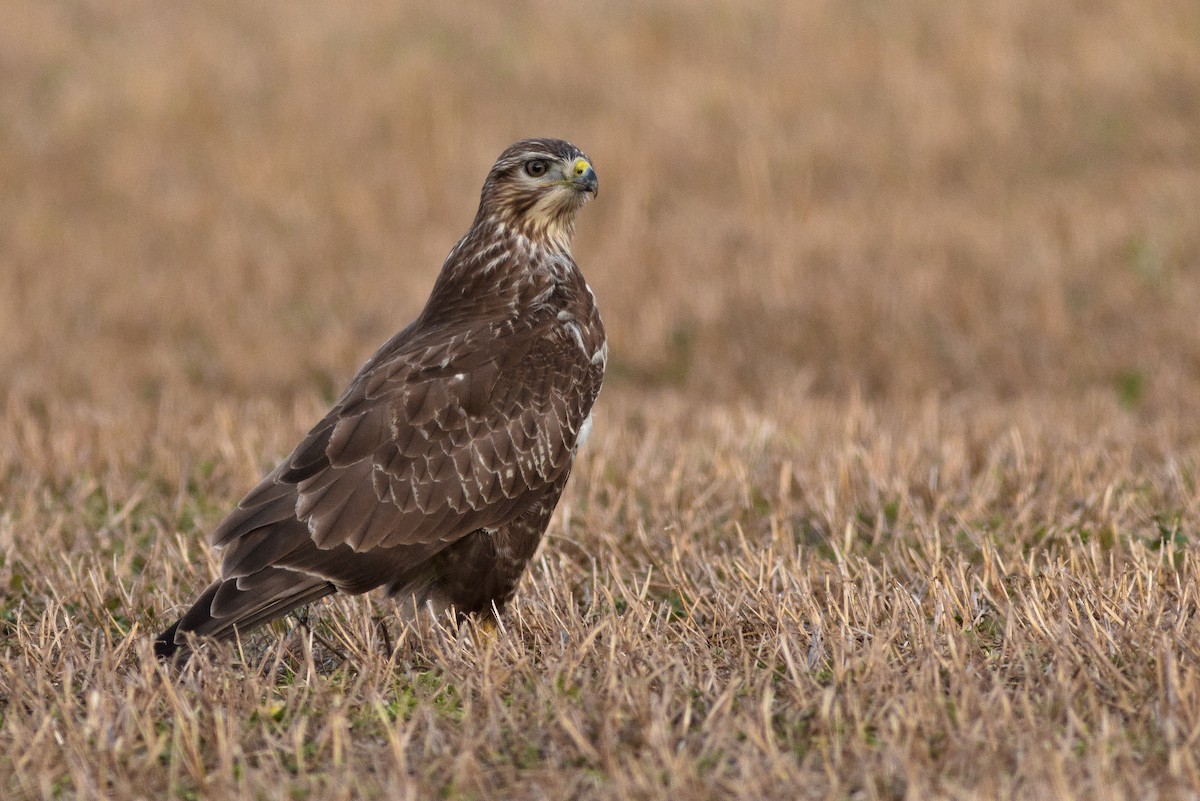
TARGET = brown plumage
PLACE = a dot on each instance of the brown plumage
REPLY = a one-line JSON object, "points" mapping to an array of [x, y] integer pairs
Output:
{"points": [[436, 472]]}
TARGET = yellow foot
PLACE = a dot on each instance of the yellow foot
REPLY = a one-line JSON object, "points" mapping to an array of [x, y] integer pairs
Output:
{"points": [[487, 630]]}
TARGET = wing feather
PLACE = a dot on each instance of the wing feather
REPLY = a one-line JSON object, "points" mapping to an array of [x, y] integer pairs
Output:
{"points": [[420, 454]]}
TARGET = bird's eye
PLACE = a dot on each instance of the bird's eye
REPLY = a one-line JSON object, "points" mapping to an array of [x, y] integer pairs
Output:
{"points": [[536, 168]]}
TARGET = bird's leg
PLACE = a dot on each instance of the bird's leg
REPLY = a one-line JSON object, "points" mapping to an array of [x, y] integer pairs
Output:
{"points": [[486, 629]]}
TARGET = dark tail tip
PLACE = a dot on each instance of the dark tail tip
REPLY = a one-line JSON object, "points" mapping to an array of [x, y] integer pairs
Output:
{"points": [[165, 647]]}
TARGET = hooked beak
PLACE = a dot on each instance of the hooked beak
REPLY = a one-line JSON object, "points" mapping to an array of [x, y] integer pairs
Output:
{"points": [[584, 177]]}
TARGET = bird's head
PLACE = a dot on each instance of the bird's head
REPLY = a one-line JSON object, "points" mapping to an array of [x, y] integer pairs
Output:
{"points": [[536, 187]]}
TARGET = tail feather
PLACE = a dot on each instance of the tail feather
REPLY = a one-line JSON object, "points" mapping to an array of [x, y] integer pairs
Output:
{"points": [[225, 609]]}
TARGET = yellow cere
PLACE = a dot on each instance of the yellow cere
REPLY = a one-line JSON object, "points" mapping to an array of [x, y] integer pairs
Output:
{"points": [[581, 166]]}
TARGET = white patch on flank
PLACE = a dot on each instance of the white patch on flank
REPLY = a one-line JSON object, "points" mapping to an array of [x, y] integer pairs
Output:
{"points": [[573, 327], [585, 431], [600, 357]]}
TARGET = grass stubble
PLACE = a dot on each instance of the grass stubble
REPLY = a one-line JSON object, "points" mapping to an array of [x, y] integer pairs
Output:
{"points": [[893, 491]]}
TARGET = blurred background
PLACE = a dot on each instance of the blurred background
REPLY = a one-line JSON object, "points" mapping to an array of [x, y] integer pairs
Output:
{"points": [[903, 300], [896, 199]]}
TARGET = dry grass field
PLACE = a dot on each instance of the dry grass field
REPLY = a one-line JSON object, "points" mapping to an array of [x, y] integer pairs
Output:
{"points": [[893, 490]]}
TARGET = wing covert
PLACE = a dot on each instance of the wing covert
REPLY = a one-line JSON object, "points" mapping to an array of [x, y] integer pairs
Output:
{"points": [[423, 455]]}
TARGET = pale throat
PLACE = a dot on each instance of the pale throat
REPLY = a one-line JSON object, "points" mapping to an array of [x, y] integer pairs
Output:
{"points": [[539, 233]]}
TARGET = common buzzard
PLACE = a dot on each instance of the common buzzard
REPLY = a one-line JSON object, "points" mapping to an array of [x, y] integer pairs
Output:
{"points": [[435, 474]]}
